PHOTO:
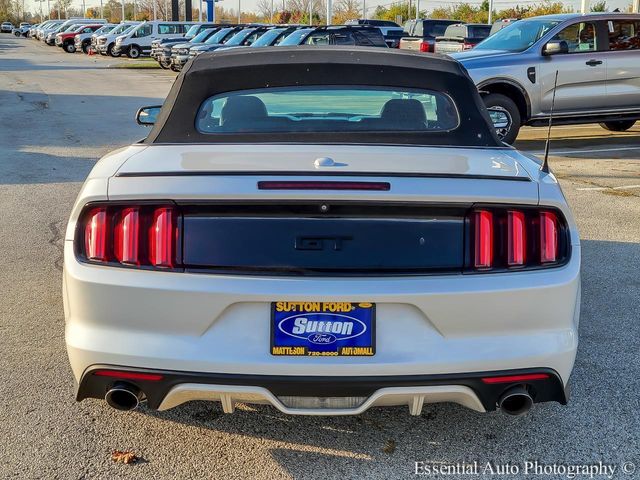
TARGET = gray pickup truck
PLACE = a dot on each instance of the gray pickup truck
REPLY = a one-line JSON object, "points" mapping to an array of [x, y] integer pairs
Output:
{"points": [[597, 57]]}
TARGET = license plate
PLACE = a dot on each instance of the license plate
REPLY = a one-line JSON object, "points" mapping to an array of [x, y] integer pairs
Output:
{"points": [[327, 329]]}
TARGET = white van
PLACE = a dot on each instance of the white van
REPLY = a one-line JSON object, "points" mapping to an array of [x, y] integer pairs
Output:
{"points": [[105, 43], [138, 41]]}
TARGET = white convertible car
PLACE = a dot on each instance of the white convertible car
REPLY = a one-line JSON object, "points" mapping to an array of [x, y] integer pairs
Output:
{"points": [[323, 230]]}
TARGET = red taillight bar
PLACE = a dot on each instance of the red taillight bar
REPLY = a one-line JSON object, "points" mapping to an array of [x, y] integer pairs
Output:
{"points": [[127, 236], [516, 378], [326, 185], [483, 233], [516, 238], [161, 238], [152, 377], [95, 234], [548, 237]]}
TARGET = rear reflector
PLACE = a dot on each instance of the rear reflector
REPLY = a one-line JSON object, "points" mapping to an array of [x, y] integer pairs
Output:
{"points": [[161, 238], [127, 236], [516, 378], [302, 185], [152, 377], [548, 237], [95, 234], [516, 238], [483, 223]]}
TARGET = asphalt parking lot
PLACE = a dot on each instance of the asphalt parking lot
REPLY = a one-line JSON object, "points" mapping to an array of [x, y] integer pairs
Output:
{"points": [[59, 113]]}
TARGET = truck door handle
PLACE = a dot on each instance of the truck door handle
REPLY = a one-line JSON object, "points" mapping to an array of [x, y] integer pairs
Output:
{"points": [[593, 63]]}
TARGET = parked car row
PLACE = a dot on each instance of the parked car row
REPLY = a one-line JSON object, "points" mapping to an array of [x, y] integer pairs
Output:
{"points": [[174, 53], [513, 62]]}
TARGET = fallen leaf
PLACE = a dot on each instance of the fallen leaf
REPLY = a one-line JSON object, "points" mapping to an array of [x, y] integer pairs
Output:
{"points": [[127, 458], [389, 447]]}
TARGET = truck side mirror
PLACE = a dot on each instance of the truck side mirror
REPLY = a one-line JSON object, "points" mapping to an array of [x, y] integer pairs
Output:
{"points": [[555, 48]]}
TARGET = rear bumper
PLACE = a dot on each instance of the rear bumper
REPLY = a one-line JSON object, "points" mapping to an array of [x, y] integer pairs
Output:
{"points": [[310, 395]]}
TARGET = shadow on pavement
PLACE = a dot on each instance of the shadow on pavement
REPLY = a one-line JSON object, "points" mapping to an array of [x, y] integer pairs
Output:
{"points": [[57, 138]]}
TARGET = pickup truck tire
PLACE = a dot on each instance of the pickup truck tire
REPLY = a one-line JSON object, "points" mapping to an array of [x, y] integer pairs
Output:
{"points": [[85, 47], [619, 126], [165, 65], [502, 102], [69, 47], [134, 51], [110, 51]]}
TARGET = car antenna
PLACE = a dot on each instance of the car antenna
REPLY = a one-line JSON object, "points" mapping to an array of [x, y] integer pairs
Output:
{"points": [[545, 162]]}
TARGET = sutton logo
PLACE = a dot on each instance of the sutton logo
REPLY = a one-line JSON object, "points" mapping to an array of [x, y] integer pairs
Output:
{"points": [[322, 332]]}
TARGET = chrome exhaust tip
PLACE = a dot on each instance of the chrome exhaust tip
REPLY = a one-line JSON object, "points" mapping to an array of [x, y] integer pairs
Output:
{"points": [[515, 401], [123, 396]]}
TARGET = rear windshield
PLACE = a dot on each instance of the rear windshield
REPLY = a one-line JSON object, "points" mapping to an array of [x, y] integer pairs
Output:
{"points": [[327, 109]]}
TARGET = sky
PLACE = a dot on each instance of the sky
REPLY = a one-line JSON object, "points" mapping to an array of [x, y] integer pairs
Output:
{"points": [[251, 5]]}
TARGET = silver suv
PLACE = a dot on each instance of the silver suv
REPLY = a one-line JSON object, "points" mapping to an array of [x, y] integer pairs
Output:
{"points": [[597, 57]]}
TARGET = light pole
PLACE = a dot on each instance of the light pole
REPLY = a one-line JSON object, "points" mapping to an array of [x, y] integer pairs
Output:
{"points": [[271, 21], [101, 10], [123, 10], [239, 12], [364, 9], [310, 12], [417, 9], [490, 21], [329, 12], [155, 10]]}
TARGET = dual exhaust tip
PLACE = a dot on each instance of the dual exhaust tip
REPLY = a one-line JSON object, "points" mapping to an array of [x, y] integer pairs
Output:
{"points": [[125, 396]]}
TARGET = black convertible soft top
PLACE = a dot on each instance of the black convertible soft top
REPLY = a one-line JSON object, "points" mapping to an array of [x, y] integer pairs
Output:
{"points": [[231, 70]]}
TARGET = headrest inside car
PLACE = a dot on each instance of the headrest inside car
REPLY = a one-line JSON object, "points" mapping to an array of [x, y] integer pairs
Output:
{"points": [[242, 108], [409, 111]]}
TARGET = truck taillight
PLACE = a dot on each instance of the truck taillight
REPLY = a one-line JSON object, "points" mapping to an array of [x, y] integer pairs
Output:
{"points": [[467, 46], [516, 238], [426, 47], [130, 235]]}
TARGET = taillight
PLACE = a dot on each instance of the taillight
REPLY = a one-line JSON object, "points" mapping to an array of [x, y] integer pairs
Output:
{"points": [[131, 235], [162, 238], [483, 236], [426, 47], [516, 238], [548, 237], [467, 46], [127, 236], [95, 234]]}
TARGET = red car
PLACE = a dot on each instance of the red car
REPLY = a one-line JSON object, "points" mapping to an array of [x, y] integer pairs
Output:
{"points": [[66, 40]]}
